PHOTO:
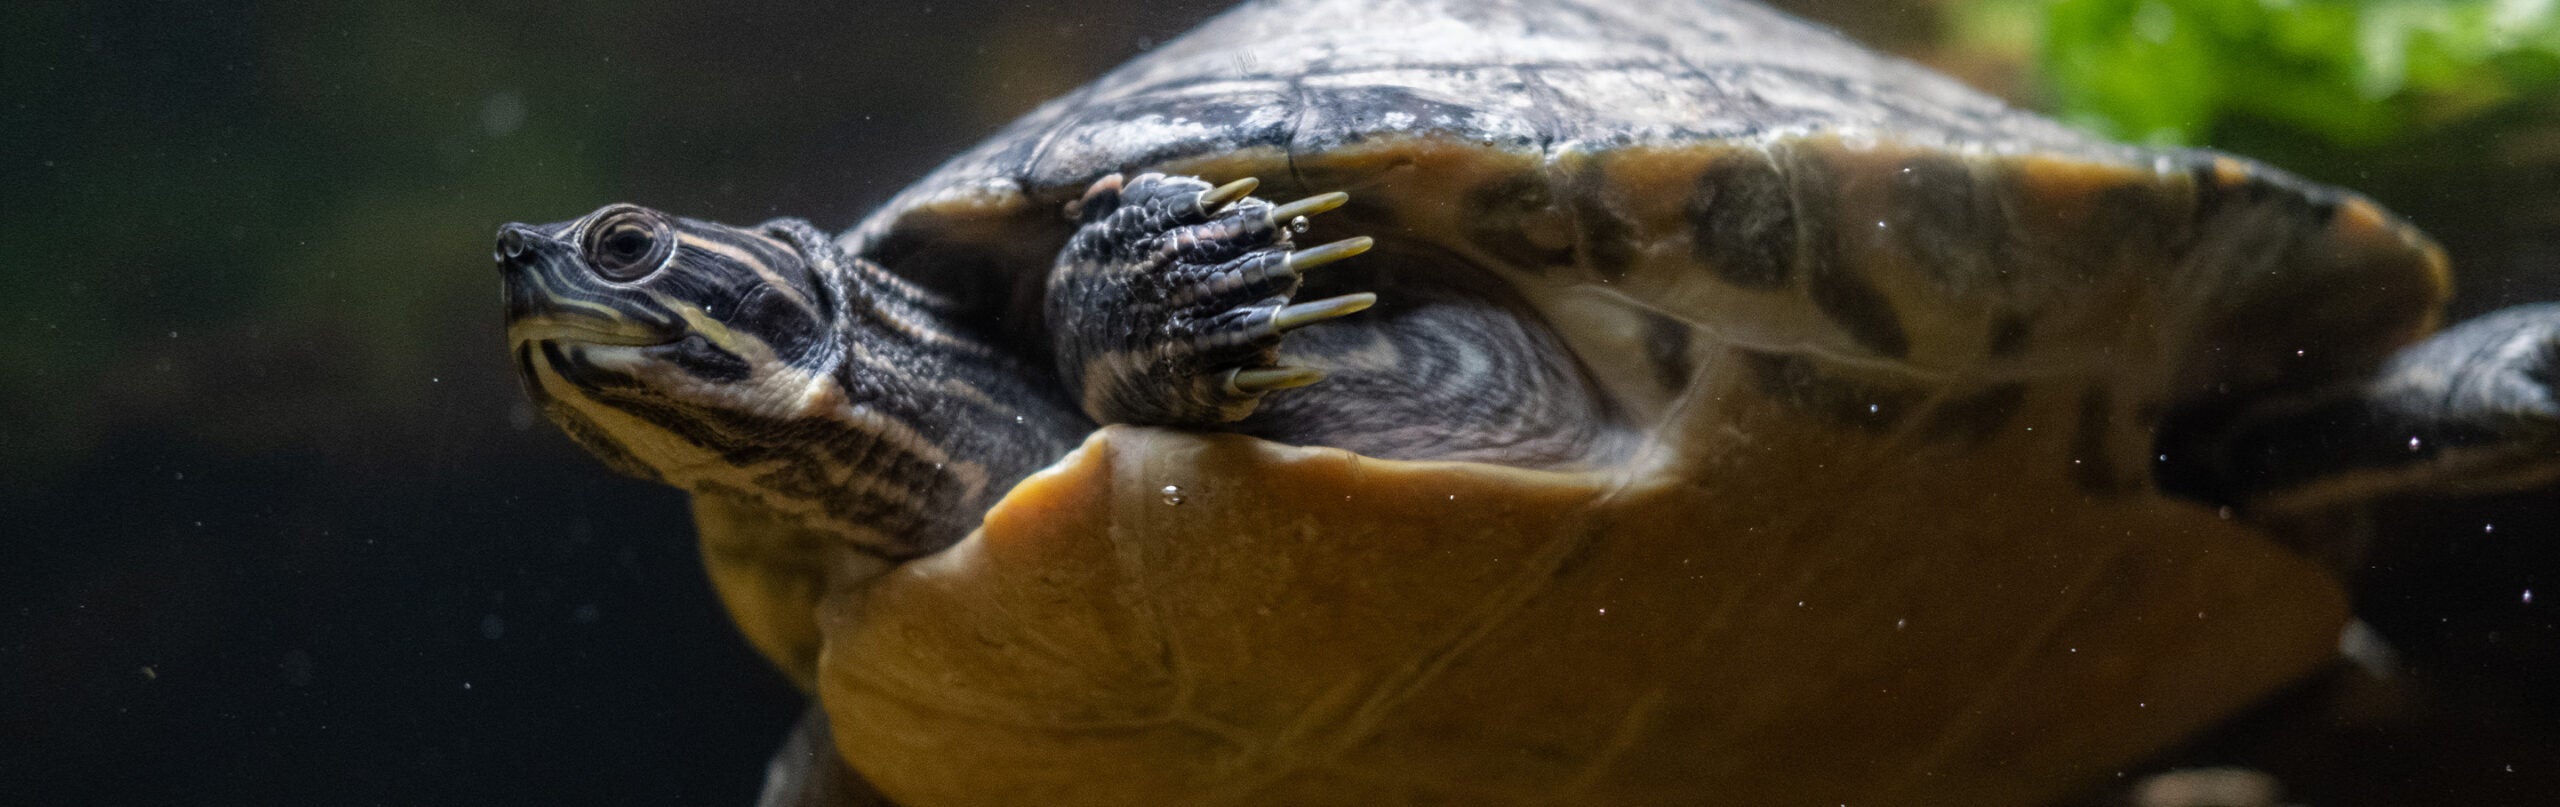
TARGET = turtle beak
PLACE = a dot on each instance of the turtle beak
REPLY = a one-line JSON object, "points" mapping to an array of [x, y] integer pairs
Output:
{"points": [[520, 255], [549, 295], [521, 267], [515, 243]]}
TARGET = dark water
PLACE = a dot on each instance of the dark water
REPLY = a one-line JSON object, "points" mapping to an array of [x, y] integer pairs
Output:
{"points": [[279, 526]]}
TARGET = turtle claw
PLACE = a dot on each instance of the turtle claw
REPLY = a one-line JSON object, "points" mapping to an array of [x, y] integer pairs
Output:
{"points": [[1170, 302], [1308, 206], [1305, 259], [1249, 383], [1215, 199], [1293, 317]]}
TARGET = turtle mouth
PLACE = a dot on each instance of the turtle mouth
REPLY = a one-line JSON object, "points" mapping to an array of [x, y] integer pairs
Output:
{"points": [[590, 332]]}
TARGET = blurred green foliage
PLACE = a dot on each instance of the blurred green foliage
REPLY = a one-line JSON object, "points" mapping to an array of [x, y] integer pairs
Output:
{"points": [[2358, 73]]}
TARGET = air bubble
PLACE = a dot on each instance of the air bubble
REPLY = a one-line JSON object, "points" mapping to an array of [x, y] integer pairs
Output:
{"points": [[1173, 494], [1298, 224]]}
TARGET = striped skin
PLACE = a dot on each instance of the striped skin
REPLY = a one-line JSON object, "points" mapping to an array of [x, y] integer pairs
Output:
{"points": [[761, 367]]}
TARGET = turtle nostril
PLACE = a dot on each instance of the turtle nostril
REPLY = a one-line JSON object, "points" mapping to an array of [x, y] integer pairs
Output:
{"points": [[512, 243]]}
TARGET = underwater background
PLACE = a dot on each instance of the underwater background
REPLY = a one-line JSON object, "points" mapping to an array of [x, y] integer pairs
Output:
{"points": [[277, 525]]}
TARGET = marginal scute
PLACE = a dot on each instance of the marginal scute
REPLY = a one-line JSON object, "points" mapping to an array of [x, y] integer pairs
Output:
{"points": [[1607, 238], [1742, 222], [1843, 293], [2141, 217], [1513, 219], [1837, 272], [1947, 226], [2071, 221], [2309, 296]]}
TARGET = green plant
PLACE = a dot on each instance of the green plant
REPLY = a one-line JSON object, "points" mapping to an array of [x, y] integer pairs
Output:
{"points": [[2356, 73]]}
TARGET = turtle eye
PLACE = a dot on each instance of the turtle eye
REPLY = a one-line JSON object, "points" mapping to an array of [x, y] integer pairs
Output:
{"points": [[628, 244]]}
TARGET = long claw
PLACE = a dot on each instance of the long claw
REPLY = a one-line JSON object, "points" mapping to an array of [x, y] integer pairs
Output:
{"points": [[1306, 259], [1213, 198], [1258, 381], [1309, 206], [1303, 313]]}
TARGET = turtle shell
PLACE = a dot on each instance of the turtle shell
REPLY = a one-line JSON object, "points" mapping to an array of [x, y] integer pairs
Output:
{"points": [[1170, 618], [1896, 352]]}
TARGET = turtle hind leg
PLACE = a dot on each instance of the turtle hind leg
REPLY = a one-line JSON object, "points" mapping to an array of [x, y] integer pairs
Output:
{"points": [[1169, 304], [2482, 400], [2474, 409]]}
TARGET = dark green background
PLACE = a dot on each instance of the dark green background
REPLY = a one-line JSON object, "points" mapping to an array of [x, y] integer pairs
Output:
{"points": [[280, 528]]}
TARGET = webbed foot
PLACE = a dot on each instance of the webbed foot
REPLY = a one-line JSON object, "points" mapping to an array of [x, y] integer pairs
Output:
{"points": [[2481, 400], [2472, 410], [1170, 302]]}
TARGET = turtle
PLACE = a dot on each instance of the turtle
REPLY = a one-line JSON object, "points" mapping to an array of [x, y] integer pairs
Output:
{"points": [[1569, 401]]}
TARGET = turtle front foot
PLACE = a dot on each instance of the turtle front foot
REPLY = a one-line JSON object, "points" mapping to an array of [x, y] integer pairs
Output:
{"points": [[1170, 302]]}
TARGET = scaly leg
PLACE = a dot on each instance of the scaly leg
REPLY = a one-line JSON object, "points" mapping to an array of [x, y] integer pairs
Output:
{"points": [[1169, 304]]}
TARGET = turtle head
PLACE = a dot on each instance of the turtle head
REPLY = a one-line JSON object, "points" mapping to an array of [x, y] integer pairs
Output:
{"points": [[671, 348]]}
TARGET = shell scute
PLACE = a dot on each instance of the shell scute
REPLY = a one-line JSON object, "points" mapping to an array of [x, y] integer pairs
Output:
{"points": [[1742, 222]]}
